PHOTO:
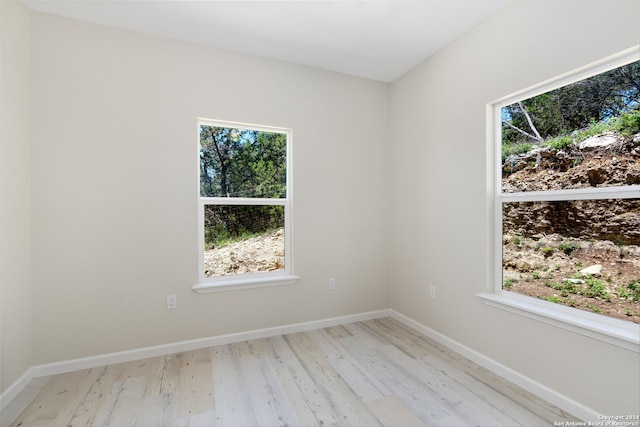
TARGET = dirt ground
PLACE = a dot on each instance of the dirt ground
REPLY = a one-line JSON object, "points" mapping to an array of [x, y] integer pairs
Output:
{"points": [[253, 255], [549, 268]]}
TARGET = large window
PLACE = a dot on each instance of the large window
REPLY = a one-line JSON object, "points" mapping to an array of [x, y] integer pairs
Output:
{"points": [[244, 206], [566, 192]]}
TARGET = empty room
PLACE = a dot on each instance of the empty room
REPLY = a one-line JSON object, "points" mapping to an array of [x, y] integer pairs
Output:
{"points": [[393, 213]]}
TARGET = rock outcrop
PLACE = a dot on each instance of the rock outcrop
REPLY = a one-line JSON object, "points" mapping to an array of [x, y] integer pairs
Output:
{"points": [[605, 161]]}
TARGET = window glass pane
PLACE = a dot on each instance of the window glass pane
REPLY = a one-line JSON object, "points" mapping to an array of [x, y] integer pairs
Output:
{"points": [[578, 136], [243, 239], [242, 163], [583, 253]]}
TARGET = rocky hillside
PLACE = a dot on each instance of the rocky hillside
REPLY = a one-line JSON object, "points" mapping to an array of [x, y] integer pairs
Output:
{"points": [[584, 254], [604, 161]]}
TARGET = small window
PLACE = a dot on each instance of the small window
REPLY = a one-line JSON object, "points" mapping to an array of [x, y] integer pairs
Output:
{"points": [[244, 206], [567, 200]]}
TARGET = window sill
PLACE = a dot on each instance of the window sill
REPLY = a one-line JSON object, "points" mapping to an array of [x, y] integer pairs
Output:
{"points": [[613, 331], [235, 283]]}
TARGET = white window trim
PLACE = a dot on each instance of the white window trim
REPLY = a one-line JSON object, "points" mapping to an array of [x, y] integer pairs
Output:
{"points": [[610, 330], [249, 280]]}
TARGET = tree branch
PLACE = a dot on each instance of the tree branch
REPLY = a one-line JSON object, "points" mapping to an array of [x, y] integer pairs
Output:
{"points": [[531, 125], [522, 132]]}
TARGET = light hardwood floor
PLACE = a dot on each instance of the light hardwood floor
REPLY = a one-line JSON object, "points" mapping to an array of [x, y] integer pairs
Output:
{"points": [[372, 373]]}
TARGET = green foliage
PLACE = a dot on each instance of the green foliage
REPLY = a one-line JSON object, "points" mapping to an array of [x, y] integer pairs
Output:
{"points": [[594, 129], [554, 285], [567, 248], [594, 309], [547, 251], [228, 223], [624, 293], [565, 287], [242, 163], [570, 288], [559, 142], [554, 298], [507, 283], [634, 288], [594, 288], [629, 124], [597, 289], [579, 275], [515, 149], [571, 302], [226, 239]]}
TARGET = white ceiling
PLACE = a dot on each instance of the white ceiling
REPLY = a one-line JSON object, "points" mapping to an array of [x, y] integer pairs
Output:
{"points": [[376, 39]]}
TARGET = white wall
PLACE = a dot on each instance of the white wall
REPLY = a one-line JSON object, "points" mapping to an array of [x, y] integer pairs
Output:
{"points": [[439, 218], [114, 149], [15, 193]]}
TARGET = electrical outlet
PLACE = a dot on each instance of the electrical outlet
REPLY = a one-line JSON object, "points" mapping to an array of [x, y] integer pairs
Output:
{"points": [[432, 292], [171, 302], [332, 283]]}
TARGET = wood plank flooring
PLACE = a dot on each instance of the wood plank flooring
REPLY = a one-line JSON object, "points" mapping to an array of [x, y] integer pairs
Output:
{"points": [[372, 373]]}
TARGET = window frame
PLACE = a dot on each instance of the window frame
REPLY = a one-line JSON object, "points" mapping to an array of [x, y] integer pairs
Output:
{"points": [[610, 330], [247, 280]]}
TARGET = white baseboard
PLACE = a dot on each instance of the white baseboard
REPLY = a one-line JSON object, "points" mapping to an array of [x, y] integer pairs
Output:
{"points": [[177, 347], [142, 353], [14, 389], [540, 390], [558, 399]]}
